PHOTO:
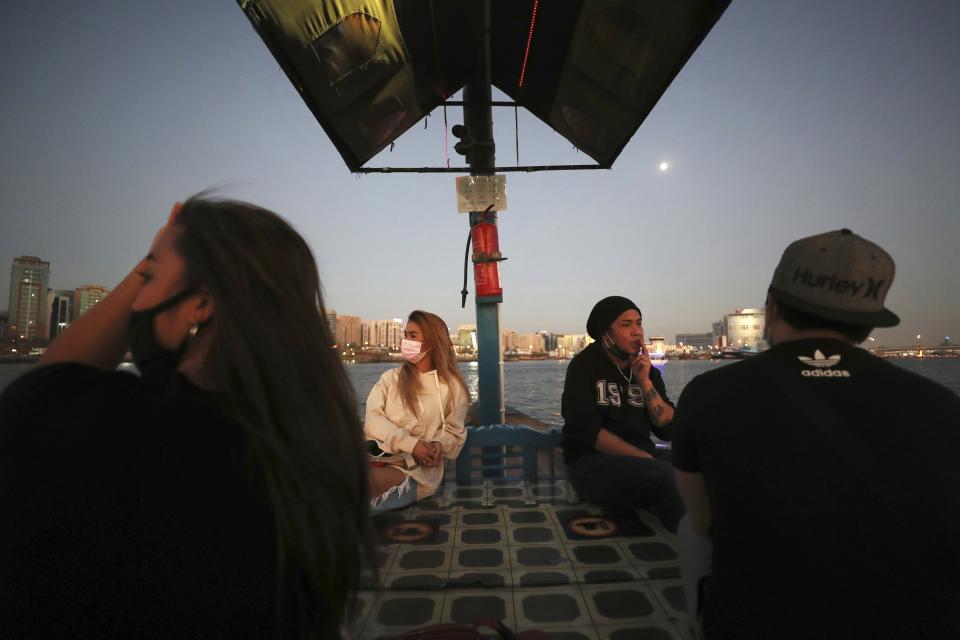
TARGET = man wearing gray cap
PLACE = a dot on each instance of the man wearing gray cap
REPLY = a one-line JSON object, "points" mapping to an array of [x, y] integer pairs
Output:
{"points": [[612, 400], [825, 478]]}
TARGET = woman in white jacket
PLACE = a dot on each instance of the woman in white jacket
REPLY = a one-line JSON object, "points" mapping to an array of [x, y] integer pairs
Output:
{"points": [[415, 415]]}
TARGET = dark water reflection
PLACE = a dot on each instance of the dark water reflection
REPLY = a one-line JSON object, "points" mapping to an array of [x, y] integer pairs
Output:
{"points": [[534, 387]]}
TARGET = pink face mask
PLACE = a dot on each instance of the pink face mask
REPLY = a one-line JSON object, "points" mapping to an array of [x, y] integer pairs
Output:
{"points": [[410, 350]]}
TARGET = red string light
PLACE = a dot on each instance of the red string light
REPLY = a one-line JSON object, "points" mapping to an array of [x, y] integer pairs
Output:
{"points": [[533, 20]]}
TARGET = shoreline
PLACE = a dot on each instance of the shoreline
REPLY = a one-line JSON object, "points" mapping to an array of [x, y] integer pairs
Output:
{"points": [[19, 360]]}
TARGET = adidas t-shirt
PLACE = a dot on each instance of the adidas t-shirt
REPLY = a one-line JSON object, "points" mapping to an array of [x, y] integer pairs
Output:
{"points": [[801, 547]]}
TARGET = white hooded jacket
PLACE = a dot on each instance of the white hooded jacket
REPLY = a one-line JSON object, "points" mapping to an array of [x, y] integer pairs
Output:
{"points": [[441, 412]]}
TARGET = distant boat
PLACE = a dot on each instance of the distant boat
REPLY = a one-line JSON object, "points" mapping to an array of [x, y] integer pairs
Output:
{"points": [[368, 356], [658, 359], [733, 354]]}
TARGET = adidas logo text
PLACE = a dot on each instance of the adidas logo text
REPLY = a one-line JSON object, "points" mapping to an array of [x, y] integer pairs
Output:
{"points": [[825, 373]]}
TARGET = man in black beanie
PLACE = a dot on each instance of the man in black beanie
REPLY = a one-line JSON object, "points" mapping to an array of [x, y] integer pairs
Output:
{"points": [[612, 400]]}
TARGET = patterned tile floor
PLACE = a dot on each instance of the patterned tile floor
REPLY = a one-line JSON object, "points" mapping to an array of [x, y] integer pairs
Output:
{"points": [[506, 550]]}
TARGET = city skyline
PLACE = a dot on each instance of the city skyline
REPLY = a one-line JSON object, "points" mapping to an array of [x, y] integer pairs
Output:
{"points": [[69, 304], [382, 332], [790, 119]]}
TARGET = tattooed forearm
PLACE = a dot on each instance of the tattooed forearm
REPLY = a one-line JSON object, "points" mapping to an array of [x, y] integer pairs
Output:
{"points": [[656, 411], [656, 408]]}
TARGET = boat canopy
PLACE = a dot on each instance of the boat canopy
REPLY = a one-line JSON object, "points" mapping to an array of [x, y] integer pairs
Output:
{"points": [[591, 69]]}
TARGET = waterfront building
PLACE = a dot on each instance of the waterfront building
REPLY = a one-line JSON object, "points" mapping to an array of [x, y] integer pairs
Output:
{"points": [[526, 343], [549, 341], [349, 331], [656, 345], [332, 322], [87, 296], [571, 344], [744, 328], [368, 333], [380, 331], [29, 278], [394, 330], [382, 334], [3, 324], [60, 304], [701, 341], [533, 342], [467, 338]]}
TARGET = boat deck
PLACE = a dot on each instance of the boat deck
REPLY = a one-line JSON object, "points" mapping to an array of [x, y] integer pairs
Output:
{"points": [[516, 551]]}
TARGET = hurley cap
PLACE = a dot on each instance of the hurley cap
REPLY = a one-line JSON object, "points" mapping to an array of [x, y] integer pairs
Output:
{"points": [[837, 276], [605, 312]]}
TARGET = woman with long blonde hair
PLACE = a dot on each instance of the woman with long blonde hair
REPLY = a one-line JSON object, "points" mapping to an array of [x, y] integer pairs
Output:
{"points": [[415, 415]]}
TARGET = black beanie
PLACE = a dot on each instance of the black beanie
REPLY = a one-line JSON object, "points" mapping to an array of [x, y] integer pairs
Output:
{"points": [[605, 312]]}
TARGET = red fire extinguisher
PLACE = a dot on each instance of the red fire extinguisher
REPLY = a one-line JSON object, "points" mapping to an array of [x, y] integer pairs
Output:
{"points": [[486, 259]]}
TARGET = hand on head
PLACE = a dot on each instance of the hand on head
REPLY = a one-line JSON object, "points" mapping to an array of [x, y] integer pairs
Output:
{"points": [[166, 228], [174, 212]]}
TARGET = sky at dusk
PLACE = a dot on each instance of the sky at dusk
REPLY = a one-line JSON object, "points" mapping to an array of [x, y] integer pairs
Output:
{"points": [[792, 118]]}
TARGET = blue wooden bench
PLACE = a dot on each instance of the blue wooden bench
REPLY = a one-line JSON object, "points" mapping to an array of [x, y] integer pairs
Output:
{"points": [[496, 450]]}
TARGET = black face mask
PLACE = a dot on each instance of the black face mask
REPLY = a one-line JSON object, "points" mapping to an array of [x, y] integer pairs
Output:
{"points": [[612, 347], [148, 354]]}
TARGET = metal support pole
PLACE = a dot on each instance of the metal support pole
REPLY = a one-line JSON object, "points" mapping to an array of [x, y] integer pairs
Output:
{"points": [[478, 117]]}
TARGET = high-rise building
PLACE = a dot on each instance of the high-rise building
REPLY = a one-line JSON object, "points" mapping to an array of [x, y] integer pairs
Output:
{"points": [[467, 338], [382, 334], [368, 333], [60, 305], [744, 328], [549, 340], [572, 344], [3, 324], [533, 342], [332, 323], [391, 332], [29, 278], [349, 331], [525, 343], [718, 332], [86, 297]]}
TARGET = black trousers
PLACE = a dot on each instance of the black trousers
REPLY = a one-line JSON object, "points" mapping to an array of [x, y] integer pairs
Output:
{"points": [[625, 483]]}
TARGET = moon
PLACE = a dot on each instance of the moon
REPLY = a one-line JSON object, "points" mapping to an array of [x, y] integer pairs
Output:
{"points": [[664, 166]]}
